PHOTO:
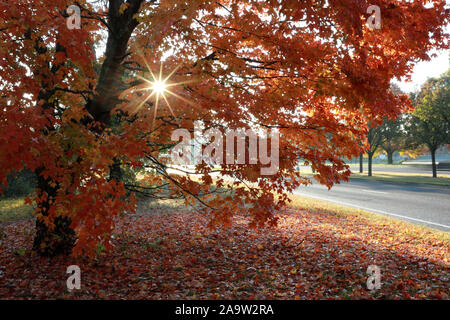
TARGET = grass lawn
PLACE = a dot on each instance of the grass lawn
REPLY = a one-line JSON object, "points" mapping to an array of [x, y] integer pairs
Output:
{"points": [[403, 177], [355, 166], [14, 209], [318, 250], [398, 177]]}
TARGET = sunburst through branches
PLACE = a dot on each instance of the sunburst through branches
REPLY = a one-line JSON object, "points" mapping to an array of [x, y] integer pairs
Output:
{"points": [[159, 87]]}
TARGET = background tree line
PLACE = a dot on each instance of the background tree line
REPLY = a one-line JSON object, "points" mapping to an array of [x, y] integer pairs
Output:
{"points": [[428, 125]]}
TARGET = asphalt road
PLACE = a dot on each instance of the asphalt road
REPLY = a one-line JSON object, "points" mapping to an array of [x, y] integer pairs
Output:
{"points": [[416, 203]]}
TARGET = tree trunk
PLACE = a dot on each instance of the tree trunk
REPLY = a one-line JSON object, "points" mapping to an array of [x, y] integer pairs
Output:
{"points": [[59, 240], [110, 82], [433, 163], [390, 157], [370, 164], [115, 172], [361, 167]]}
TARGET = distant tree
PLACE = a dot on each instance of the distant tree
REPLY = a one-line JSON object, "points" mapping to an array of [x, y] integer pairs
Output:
{"points": [[19, 184], [413, 151], [430, 122], [374, 141], [393, 137]]}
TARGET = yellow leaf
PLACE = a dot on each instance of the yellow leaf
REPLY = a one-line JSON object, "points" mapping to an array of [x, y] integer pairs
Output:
{"points": [[123, 7]]}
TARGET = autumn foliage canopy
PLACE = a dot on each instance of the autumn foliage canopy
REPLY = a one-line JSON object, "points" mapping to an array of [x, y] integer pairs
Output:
{"points": [[77, 108]]}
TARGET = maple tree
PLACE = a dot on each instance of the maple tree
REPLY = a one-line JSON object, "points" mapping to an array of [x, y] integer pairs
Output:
{"points": [[311, 69]]}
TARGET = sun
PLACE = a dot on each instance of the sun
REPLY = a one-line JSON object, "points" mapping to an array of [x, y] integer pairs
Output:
{"points": [[159, 87]]}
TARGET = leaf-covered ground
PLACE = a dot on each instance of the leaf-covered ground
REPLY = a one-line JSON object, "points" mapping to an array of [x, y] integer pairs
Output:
{"points": [[166, 252]]}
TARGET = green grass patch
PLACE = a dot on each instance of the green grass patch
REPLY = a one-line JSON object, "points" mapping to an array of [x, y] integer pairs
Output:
{"points": [[441, 180], [377, 164], [14, 209]]}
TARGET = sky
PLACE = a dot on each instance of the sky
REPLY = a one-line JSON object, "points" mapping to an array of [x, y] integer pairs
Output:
{"points": [[426, 69]]}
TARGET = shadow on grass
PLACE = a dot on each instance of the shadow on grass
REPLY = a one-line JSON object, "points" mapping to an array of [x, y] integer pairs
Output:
{"points": [[403, 178]]}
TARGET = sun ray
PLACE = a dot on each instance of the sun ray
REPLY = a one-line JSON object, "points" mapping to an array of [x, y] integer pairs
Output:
{"points": [[168, 104], [178, 83], [172, 72], [145, 61], [145, 79], [156, 110], [158, 87], [143, 102]]}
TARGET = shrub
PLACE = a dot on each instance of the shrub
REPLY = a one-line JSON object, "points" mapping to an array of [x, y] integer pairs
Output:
{"points": [[19, 184]]}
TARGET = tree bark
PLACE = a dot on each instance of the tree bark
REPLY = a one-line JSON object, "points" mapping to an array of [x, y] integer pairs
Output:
{"points": [[115, 172], [110, 83], [361, 167], [390, 156], [61, 238], [370, 155], [433, 162]]}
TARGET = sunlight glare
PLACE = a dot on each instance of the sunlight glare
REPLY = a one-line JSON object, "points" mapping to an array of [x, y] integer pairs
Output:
{"points": [[159, 87]]}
